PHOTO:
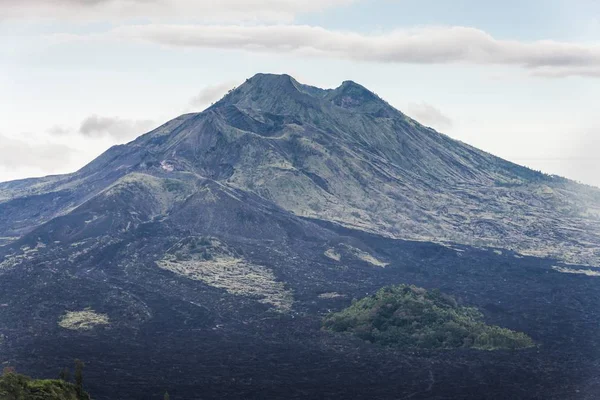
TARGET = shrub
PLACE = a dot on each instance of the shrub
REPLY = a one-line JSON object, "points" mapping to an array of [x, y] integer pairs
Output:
{"points": [[14, 386]]}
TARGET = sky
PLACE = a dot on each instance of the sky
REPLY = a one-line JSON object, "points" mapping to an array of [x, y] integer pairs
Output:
{"points": [[519, 79]]}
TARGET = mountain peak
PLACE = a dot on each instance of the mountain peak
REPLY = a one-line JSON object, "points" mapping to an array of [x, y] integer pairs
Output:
{"points": [[265, 76], [282, 94], [273, 93], [271, 83], [352, 95], [350, 83]]}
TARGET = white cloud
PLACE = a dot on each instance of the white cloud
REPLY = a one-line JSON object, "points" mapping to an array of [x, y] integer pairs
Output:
{"points": [[223, 10], [117, 128], [434, 45], [428, 115], [210, 94]]}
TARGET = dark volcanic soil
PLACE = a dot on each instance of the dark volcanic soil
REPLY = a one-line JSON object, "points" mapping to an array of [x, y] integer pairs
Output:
{"points": [[224, 347]]}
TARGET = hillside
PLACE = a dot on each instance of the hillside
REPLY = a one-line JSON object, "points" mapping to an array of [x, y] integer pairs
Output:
{"points": [[202, 256], [342, 155]]}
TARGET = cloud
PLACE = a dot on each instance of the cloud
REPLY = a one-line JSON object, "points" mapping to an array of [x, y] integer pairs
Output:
{"points": [[563, 72], [211, 94], [223, 10], [16, 154], [434, 45], [427, 114], [58, 130], [62, 149], [117, 128]]}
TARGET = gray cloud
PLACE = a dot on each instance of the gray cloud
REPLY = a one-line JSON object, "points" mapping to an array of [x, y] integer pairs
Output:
{"points": [[16, 154], [420, 46], [428, 115], [211, 94], [59, 131], [192, 9], [117, 128]]}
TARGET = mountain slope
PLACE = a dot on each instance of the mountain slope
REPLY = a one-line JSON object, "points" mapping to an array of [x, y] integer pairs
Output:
{"points": [[345, 156], [220, 239]]}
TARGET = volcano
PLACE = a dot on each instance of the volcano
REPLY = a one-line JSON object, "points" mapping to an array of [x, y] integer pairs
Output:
{"points": [[201, 257]]}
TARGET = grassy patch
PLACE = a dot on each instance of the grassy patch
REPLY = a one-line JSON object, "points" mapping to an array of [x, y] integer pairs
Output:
{"points": [[332, 254], [366, 257], [331, 295], [212, 262], [83, 320]]}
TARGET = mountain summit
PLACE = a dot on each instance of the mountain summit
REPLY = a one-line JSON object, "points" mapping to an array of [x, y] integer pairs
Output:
{"points": [[226, 234], [341, 155]]}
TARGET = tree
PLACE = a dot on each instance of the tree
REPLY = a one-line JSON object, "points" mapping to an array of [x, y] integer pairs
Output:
{"points": [[167, 397], [12, 385], [79, 365], [65, 375]]}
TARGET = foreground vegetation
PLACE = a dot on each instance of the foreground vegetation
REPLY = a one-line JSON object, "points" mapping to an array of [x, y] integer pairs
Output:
{"points": [[411, 317], [14, 386]]}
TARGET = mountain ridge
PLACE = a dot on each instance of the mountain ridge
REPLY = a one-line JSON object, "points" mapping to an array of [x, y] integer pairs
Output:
{"points": [[221, 239], [347, 153]]}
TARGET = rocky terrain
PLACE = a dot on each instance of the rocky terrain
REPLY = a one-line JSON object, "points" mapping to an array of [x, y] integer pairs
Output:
{"points": [[201, 257]]}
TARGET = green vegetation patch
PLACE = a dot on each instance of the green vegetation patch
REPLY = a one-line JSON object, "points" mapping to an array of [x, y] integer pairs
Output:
{"points": [[411, 317], [20, 387]]}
